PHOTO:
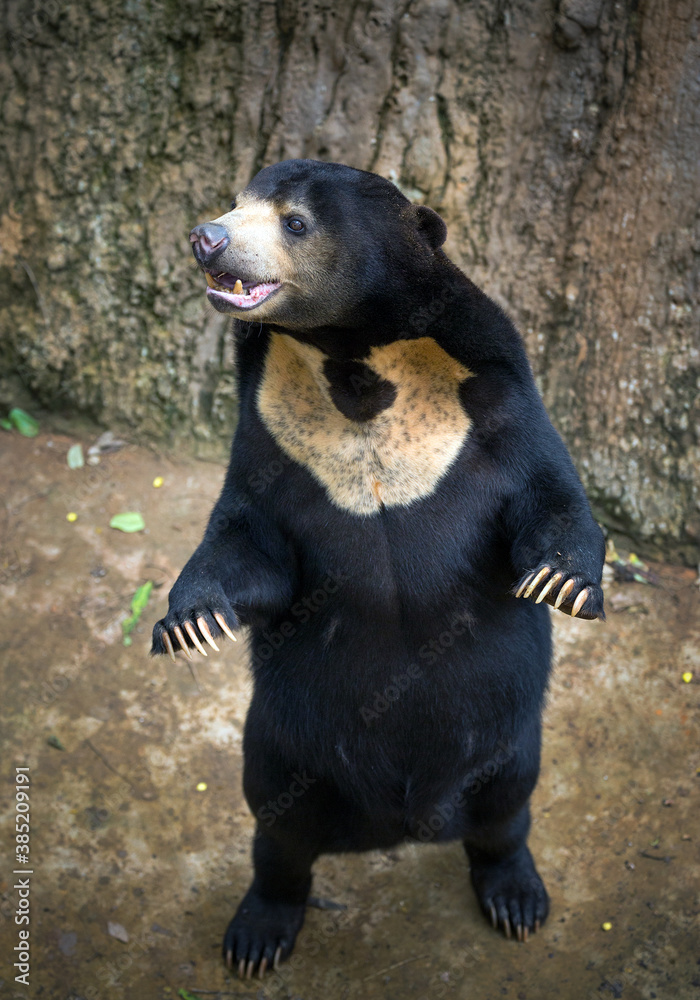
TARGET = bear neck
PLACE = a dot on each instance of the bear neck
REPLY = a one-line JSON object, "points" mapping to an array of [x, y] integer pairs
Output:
{"points": [[419, 306], [445, 306]]}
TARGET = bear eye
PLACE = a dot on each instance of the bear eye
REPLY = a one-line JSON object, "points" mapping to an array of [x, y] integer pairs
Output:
{"points": [[233, 205], [296, 225]]}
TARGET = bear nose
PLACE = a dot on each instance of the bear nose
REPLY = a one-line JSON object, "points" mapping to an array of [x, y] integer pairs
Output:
{"points": [[208, 241]]}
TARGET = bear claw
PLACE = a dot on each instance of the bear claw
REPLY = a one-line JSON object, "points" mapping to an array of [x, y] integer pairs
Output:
{"points": [[538, 579], [552, 582], [189, 628], [523, 585], [168, 643], [204, 629], [181, 639], [579, 602], [586, 601], [223, 626], [564, 592]]}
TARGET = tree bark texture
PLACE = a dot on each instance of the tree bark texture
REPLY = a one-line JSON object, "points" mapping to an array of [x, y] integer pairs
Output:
{"points": [[559, 139]]}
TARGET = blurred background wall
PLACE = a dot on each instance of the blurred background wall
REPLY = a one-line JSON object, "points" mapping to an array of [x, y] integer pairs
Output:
{"points": [[559, 139]]}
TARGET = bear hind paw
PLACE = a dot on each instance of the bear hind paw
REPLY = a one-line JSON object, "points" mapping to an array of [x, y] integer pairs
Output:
{"points": [[512, 895], [261, 934]]}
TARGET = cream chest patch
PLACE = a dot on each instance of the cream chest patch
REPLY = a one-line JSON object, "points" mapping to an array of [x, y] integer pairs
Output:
{"points": [[395, 457]]}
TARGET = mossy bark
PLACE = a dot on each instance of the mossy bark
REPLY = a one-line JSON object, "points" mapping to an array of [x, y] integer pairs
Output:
{"points": [[559, 140]]}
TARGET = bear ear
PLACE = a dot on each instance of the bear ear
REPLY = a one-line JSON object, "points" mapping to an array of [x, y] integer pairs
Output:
{"points": [[430, 227]]}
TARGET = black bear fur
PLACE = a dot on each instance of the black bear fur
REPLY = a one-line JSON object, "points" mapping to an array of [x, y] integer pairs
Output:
{"points": [[398, 680]]}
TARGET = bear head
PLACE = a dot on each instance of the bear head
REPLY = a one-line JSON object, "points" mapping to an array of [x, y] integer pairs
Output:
{"points": [[311, 245]]}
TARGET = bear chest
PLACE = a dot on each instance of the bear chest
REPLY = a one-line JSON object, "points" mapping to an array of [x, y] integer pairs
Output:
{"points": [[380, 432]]}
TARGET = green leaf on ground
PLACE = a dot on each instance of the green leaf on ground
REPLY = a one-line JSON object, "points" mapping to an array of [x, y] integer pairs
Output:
{"points": [[53, 741], [5, 424], [130, 521], [25, 424], [186, 995], [75, 457], [138, 604]]}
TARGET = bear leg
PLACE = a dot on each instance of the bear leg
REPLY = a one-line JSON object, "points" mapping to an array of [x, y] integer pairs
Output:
{"points": [[271, 913], [509, 889]]}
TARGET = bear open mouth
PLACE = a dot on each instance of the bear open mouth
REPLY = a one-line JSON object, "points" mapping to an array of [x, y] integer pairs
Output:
{"points": [[241, 294]]}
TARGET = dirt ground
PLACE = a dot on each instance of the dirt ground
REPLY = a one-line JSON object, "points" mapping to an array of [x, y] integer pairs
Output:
{"points": [[122, 837]]}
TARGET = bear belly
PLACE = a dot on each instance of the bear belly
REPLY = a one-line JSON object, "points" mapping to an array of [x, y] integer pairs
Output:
{"points": [[394, 457]]}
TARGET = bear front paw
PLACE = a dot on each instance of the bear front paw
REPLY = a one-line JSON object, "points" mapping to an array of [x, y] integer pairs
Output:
{"points": [[571, 593], [187, 625]]}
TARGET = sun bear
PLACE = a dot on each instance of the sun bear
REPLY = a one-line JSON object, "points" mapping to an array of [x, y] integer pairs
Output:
{"points": [[397, 512]]}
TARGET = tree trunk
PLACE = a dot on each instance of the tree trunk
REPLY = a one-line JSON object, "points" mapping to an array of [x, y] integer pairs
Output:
{"points": [[560, 142]]}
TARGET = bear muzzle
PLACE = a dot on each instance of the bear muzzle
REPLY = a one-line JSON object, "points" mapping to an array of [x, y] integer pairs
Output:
{"points": [[226, 291]]}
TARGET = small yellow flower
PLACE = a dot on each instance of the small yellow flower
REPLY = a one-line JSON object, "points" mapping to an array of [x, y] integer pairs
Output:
{"points": [[72, 516], [607, 926], [688, 676], [202, 786], [158, 481]]}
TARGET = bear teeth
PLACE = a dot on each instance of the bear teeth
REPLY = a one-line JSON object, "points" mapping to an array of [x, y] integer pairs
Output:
{"points": [[237, 289], [255, 292]]}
